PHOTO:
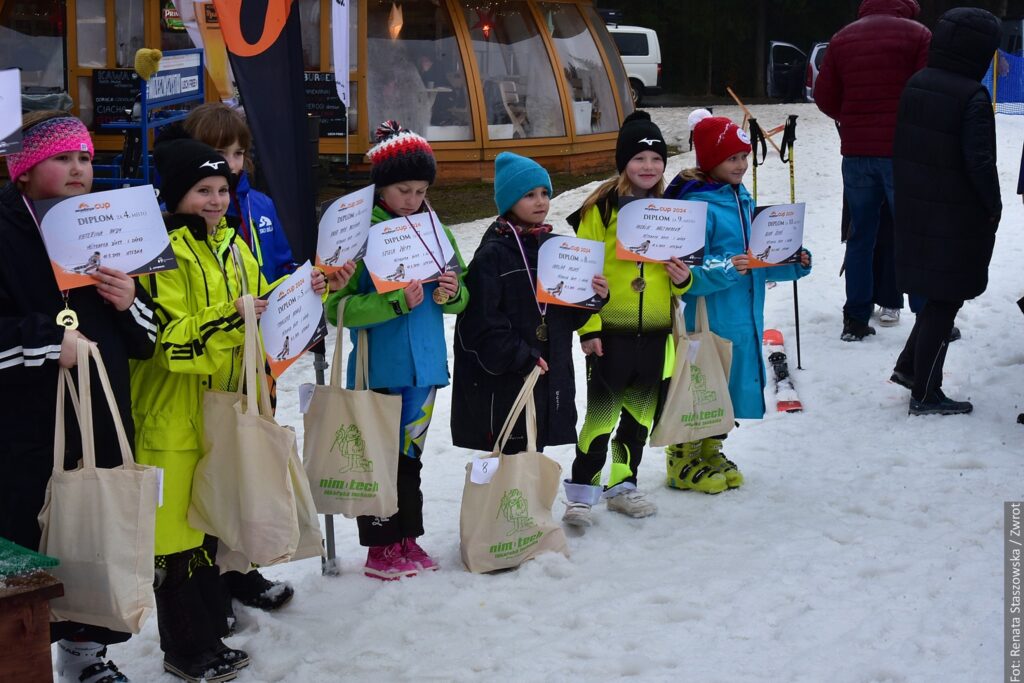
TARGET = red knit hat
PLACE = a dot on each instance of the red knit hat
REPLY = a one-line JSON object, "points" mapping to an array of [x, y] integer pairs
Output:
{"points": [[715, 139]]}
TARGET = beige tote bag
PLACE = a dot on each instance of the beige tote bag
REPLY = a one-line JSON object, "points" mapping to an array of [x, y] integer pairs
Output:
{"points": [[99, 523], [506, 512], [242, 489], [351, 444], [698, 405]]}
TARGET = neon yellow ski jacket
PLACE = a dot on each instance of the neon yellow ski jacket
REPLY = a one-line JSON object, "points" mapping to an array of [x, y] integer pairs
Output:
{"points": [[628, 311]]}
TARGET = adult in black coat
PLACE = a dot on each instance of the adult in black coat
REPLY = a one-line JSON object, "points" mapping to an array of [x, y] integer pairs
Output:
{"points": [[946, 194], [496, 346]]}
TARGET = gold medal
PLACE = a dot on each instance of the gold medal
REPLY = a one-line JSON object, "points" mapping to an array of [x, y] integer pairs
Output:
{"points": [[542, 332], [68, 318], [638, 284], [440, 297]]}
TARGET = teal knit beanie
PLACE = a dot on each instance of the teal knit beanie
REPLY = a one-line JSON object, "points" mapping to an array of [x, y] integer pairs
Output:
{"points": [[514, 176]]}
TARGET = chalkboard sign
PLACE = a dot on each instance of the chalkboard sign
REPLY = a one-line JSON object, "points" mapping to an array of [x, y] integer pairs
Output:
{"points": [[322, 100], [113, 92]]}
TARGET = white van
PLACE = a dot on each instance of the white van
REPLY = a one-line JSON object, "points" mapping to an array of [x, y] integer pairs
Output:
{"points": [[641, 55]]}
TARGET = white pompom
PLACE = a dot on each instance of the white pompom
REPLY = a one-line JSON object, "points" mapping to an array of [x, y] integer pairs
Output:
{"points": [[696, 116]]}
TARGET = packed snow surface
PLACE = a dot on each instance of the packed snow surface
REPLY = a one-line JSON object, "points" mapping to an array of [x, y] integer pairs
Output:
{"points": [[865, 546]]}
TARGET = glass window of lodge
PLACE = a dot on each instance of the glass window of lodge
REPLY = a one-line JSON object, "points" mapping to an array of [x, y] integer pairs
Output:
{"points": [[519, 86], [415, 75], [590, 90], [618, 70], [32, 39]]}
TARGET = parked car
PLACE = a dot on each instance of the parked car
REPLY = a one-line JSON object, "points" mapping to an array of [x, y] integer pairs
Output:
{"points": [[1013, 37], [641, 55], [791, 74]]}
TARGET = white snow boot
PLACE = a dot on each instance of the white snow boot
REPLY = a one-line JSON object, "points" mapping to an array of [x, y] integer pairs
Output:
{"points": [[580, 498], [625, 498], [85, 663]]}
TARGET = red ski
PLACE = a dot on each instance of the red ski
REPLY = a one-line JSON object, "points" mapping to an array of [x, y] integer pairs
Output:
{"points": [[786, 398]]}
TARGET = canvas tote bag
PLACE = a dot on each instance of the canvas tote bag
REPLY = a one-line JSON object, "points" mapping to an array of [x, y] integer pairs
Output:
{"points": [[242, 489], [698, 405], [99, 523], [506, 520], [351, 444]]}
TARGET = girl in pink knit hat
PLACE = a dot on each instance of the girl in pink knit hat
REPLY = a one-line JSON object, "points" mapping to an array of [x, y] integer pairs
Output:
{"points": [[40, 326]]}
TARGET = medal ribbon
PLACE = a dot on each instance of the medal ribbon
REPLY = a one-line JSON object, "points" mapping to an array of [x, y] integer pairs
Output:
{"points": [[440, 265], [63, 292], [541, 308]]}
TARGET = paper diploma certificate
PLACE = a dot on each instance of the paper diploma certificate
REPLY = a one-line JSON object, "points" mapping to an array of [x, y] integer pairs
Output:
{"points": [[121, 229], [294, 320], [776, 235], [655, 230], [566, 267], [344, 227], [409, 248]]}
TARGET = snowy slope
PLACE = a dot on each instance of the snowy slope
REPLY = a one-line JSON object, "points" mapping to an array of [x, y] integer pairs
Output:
{"points": [[865, 545]]}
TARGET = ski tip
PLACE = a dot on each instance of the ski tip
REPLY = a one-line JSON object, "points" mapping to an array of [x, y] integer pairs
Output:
{"points": [[772, 338], [789, 407]]}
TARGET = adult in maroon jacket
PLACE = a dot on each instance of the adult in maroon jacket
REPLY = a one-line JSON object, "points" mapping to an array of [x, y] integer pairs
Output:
{"points": [[866, 66]]}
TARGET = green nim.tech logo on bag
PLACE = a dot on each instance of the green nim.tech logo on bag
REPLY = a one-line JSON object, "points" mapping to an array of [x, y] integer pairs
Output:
{"points": [[701, 396], [515, 508], [348, 441]]}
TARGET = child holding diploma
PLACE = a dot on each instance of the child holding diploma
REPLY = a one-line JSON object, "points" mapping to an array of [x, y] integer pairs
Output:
{"points": [[505, 331], [224, 129], [201, 334], [40, 326], [625, 342], [405, 334], [734, 292]]}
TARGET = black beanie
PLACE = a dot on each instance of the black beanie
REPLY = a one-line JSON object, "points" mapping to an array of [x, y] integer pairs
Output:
{"points": [[182, 162], [638, 134]]}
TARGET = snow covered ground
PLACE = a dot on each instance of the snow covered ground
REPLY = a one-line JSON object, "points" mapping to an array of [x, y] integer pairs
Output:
{"points": [[865, 546]]}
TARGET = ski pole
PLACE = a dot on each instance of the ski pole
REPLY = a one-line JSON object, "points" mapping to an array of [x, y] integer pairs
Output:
{"points": [[757, 138], [786, 154], [329, 565]]}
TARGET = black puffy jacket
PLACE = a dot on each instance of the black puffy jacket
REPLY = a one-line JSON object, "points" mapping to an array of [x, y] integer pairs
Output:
{"points": [[496, 347], [944, 164], [30, 341]]}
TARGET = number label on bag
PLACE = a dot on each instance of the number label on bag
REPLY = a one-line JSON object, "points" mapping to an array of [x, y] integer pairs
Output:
{"points": [[691, 351], [483, 470], [305, 396]]}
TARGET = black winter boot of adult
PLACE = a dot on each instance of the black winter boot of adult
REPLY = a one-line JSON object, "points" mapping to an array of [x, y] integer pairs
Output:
{"points": [[252, 589]]}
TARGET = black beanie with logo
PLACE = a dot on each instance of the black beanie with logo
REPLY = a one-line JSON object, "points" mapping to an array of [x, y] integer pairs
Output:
{"points": [[182, 162], [638, 134]]}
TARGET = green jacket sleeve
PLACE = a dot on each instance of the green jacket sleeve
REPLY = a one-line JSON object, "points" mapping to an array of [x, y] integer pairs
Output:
{"points": [[592, 228], [458, 303], [191, 342]]}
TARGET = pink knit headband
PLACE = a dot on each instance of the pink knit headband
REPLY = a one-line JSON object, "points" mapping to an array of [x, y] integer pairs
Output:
{"points": [[46, 139]]}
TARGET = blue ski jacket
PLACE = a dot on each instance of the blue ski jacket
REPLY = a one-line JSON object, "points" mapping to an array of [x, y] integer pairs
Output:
{"points": [[262, 230], [735, 302]]}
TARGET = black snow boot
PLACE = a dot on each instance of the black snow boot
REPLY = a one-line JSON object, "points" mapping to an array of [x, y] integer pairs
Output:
{"points": [[255, 590]]}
